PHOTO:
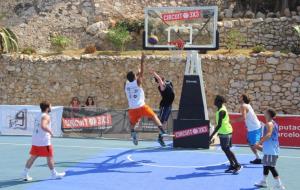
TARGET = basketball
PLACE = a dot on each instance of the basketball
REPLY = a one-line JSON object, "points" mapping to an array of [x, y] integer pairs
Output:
{"points": [[153, 40]]}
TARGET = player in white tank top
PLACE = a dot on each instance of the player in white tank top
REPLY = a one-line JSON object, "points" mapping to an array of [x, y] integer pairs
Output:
{"points": [[41, 143], [135, 95], [41, 137], [252, 122], [136, 102], [253, 126]]}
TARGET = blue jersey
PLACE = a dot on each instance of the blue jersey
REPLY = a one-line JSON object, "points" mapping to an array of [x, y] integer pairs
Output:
{"points": [[271, 146]]}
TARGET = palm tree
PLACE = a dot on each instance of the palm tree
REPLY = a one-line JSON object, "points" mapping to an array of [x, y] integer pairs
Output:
{"points": [[8, 41]]}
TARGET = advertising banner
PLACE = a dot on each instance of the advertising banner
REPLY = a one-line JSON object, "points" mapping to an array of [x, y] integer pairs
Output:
{"points": [[289, 130], [20, 119]]}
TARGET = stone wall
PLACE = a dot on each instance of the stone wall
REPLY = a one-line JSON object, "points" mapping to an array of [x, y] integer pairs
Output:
{"points": [[86, 21], [271, 80], [273, 33]]}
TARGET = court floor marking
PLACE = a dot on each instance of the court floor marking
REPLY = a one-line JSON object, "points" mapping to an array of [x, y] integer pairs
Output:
{"points": [[129, 157], [149, 148]]}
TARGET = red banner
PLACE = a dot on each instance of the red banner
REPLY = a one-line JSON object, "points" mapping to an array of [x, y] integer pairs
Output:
{"points": [[289, 130], [184, 15], [87, 122]]}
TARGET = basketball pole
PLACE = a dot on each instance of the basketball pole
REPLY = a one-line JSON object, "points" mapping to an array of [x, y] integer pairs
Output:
{"points": [[193, 67]]}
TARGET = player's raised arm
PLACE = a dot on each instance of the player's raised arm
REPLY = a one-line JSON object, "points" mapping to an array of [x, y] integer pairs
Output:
{"points": [[161, 83], [141, 70]]}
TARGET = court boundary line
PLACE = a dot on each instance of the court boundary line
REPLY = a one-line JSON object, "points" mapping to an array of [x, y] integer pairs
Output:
{"points": [[144, 148]]}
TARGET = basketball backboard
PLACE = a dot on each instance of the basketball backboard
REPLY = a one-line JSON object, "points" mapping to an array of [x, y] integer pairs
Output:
{"points": [[195, 26]]}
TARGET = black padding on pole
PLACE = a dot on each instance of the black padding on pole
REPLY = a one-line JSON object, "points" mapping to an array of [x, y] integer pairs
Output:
{"points": [[191, 129], [191, 102]]}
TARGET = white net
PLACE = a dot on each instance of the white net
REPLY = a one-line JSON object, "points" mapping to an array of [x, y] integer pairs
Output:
{"points": [[176, 50]]}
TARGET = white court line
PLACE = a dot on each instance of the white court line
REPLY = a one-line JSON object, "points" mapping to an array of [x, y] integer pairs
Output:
{"points": [[126, 148], [129, 157]]}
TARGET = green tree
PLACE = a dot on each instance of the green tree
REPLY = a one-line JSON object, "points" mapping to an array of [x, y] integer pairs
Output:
{"points": [[119, 36], [233, 38]]}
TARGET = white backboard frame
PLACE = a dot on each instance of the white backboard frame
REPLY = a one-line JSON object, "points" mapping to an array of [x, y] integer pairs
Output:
{"points": [[188, 46]]}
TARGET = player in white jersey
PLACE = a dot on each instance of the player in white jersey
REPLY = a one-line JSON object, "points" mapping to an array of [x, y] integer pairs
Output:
{"points": [[253, 126], [136, 100], [41, 143]]}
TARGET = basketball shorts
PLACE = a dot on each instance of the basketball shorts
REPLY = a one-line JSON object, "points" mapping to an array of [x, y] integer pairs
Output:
{"points": [[253, 137], [225, 141], [270, 160], [164, 113], [136, 114], [42, 151]]}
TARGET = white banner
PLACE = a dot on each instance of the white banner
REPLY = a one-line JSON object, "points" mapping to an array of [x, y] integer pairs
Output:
{"points": [[19, 119]]}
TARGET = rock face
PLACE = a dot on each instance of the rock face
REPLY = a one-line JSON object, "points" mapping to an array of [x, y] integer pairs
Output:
{"points": [[249, 14], [260, 15], [86, 21], [271, 81]]}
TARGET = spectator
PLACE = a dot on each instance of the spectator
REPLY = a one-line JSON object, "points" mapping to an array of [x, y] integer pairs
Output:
{"points": [[90, 102], [75, 103]]}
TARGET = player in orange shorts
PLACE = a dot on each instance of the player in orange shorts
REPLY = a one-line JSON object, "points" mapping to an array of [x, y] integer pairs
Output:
{"points": [[41, 143], [137, 107]]}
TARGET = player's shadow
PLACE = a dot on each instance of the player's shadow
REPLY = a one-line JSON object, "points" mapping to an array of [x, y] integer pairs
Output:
{"points": [[204, 173], [15, 182], [114, 163]]}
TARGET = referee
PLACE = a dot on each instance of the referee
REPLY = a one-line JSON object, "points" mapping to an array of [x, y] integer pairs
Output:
{"points": [[165, 88]]}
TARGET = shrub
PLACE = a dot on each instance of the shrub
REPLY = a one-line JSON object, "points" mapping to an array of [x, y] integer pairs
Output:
{"points": [[8, 41], [131, 26], [119, 36], [29, 51], [296, 47], [60, 43], [233, 38], [89, 49], [258, 49]]}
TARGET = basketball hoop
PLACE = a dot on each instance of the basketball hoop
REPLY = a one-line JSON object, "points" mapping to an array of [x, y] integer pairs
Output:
{"points": [[176, 50]]}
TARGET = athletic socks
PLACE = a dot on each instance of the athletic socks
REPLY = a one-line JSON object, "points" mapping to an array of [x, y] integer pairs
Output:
{"points": [[25, 175], [161, 130], [53, 172], [257, 156], [26, 170], [264, 178], [278, 182]]}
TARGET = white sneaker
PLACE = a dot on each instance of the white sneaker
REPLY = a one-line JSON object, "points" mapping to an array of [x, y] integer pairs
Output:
{"points": [[262, 183], [57, 175], [26, 177], [278, 187]]}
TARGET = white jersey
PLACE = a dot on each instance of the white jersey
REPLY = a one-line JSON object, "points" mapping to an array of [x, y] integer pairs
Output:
{"points": [[252, 121], [39, 136], [135, 95]]}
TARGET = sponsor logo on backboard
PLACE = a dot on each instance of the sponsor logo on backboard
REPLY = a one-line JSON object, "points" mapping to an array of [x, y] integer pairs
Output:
{"points": [[183, 15]]}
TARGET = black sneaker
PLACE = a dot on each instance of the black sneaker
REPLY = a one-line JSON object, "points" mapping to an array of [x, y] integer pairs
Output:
{"points": [[134, 138], [230, 169], [256, 161], [160, 140], [237, 169]]}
